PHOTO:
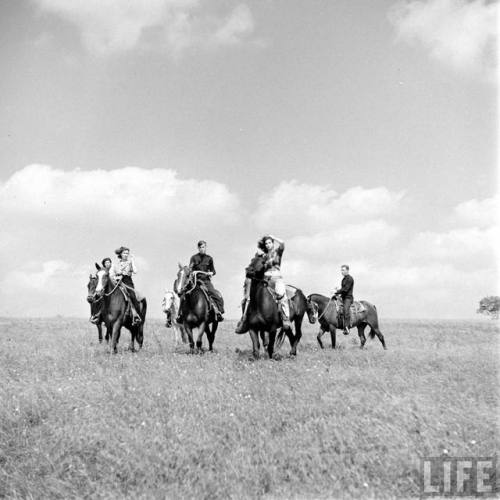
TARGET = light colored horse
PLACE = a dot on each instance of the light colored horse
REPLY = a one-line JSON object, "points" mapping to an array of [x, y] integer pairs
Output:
{"points": [[170, 306]]}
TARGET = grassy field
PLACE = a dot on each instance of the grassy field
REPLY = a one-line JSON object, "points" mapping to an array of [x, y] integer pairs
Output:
{"points": [[77, 422]]}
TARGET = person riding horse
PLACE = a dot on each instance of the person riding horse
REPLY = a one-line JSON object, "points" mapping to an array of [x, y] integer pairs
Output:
{"points": [[272, 248], [97, 318], [205, 263], [121, 272], [345, 292]]}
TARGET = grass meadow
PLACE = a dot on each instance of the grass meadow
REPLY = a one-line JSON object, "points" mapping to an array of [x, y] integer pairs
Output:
{"points": [[78, 422]]}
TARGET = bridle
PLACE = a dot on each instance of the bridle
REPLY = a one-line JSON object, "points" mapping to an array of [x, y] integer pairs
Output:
{"points": [[193, 279], [315, 308]]}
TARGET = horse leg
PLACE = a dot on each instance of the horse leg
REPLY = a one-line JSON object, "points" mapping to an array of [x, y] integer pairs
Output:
{"points": [[211, 334], [255, 343], [333, 336], [361, 333], [270, 347], [115, 335], [318, 337], [109, 333], [376, 331], [99, 332], [189, 334], [199, 342], [291, 339], [297, 336]]}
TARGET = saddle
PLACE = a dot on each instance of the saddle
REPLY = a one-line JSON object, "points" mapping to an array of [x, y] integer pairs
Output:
{"points": [[290, 291], [356, 309]]}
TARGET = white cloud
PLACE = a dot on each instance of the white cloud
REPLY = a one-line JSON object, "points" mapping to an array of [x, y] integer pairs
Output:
{"points": [[238, 25], [457, 32], [66, 220], [347, 241], [481, 213], [42, 277], [129, 194], [312, 208], [112, 26]]}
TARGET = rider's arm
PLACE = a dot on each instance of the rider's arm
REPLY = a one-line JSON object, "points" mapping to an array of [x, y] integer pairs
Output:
{"points": [[133, 268], [114, 273], [192, 263], [279, 245], [211, 268]]}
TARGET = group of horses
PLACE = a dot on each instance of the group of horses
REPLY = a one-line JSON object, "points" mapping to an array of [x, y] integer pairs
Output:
{"points": [[198, 317]]}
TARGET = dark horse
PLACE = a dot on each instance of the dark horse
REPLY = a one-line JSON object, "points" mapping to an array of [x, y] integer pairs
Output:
{"points": [[323, 309], [196, 313], [263, 315], [95, 305], [115, 311]]}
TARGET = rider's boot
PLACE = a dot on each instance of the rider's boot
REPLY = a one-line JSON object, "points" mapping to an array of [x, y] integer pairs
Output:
{"points": [[242, 326], [218, 314], [95, 319], [346, 330], [285, 312]]}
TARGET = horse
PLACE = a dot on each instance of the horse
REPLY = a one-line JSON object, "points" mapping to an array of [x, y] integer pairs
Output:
{"points": [[263, 313], [197, 315], [115, 312], [170, 306], [94, 306], [323, 309]]}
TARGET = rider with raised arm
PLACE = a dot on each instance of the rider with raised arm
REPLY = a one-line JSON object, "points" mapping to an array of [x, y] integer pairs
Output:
{"points": [[121, 271], [205, 263], [272, 248]]}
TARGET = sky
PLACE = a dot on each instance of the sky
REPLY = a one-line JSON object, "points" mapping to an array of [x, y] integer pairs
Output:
{"points": [[361, 133]]}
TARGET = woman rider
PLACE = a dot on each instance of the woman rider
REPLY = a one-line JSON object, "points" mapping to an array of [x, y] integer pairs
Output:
{"points": [[122, 270], [272, 248]]}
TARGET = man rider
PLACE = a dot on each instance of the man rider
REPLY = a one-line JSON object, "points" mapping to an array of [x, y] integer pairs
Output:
{"points": [[204, 262], [345, 292]]}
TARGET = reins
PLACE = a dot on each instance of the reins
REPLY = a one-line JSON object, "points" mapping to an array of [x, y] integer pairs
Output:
{"points": [[324, 310], [195, 281]]}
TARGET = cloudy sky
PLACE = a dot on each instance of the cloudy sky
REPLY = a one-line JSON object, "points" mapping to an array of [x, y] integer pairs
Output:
{"points": [[360, 132]]}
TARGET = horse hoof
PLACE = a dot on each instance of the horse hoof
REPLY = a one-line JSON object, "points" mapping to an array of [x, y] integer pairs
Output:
{"points": [[277, 357]]}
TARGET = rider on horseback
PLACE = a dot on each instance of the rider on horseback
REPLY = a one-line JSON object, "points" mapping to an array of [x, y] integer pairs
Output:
{"points": [[272, 248], [205, 263], [345, 294], [121, 272]]}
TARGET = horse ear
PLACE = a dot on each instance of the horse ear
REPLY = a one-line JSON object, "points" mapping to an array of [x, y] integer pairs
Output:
{"points": [[97, 266], [180, 265]]}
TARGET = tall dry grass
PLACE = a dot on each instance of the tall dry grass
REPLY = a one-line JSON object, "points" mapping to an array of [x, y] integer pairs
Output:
{"points": [[77, 422]]}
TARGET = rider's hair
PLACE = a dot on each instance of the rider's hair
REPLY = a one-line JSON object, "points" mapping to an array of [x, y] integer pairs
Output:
{"points": [[104, 260], [201, 242], [344, 266], [261, 244]]}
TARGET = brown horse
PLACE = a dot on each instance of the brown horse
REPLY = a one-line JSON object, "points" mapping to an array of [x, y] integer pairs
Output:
{"points": [[95, 306], [263, 314], [116, 312], [196, 313], [323, 309]]}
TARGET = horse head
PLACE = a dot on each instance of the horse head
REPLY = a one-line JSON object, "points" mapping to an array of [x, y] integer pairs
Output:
{"points": [[102, 282], [183, 279], [256, 268], [312, 310], [91, 286]]}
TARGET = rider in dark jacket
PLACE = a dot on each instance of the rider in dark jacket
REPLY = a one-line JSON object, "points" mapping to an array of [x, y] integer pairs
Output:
{"points": [[346, 293]]}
